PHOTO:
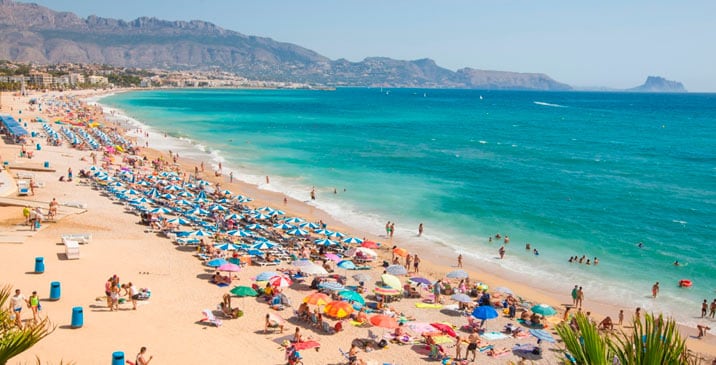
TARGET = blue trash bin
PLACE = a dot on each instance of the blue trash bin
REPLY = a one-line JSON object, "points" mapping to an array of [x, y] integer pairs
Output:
{"points": [[77, 317], [39, 265], [55, 290], [118, 358], [32, 134], [47, 164], [38, 147]]}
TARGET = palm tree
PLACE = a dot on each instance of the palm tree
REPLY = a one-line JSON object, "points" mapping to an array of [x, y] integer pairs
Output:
{"points": [[13, 340], [653, 341]]}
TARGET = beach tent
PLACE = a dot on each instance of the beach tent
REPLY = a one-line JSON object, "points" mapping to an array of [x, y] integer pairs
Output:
{"points": [[12, 126]]}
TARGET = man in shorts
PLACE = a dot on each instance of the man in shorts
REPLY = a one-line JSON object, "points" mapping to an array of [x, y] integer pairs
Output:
{"points": [[18, 301], [472, 341]]}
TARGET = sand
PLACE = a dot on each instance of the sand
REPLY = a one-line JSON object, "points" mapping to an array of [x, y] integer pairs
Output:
{"points": [[168, 324]]}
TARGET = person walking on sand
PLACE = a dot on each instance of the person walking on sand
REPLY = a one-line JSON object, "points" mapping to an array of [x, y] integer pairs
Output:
{"points": [[142, 357], [420, 230], [231, 176], [17, 302], [416, 263], [655, 290], [408, 261], [580, 297], [621, 317], [459, 260], [501, 251], [34, 301]]}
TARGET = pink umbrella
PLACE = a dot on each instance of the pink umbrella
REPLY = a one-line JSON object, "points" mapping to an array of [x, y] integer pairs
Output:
{"points": [[229, 267], [333, 257], [280, 281]]}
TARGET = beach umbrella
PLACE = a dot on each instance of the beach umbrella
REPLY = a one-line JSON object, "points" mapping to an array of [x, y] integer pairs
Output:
{"points": [[233, 216], [484, 312], [333, 257], [217, 207], [369, 244], [261, 216], [141, 200], [400, 252], [444, 328], [457, 274], [309, 225], [264, 276], [297, 232], [351, 240], [280, 281], [229, 267], [383, 321], [317, 298], [174, 187], [184, 202], [226, 192], [276, 212], [482, 286], [335, 234], [293, 220], [168, 196], [185, 194], [227, 246], [363, 250], [361, 277], [223, 201], [462, 298], [239, 233], [263, 245], [386, 291], [544, 310], [396, 270], [391, 281], [197, 211], [314, 270], [216, 262], [243, 199], [542, 335], [351, 296], [244, 291], [255, 226], [254, 253], [346, 265], [321, 231], [325, 242], [265, 209], [201, 233], [502, 289], [331, 285], [160, 210], [178, 220], [338, 309], [283, 226], [276, 319], [201, 200], [419, 280], [201, 195]]}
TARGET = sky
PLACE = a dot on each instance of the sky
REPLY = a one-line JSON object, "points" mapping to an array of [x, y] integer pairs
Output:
{"points": [[605, 43]]}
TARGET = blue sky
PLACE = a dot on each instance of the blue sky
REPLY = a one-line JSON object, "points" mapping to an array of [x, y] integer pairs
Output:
{"points": [[602, 43]]}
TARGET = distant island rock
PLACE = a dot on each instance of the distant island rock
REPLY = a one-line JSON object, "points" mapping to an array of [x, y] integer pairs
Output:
{"points": [[657, 84], [32, 33]]}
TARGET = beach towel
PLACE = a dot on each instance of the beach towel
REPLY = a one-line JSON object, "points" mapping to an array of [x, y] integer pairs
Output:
{"points": [[494, 335], [356, 323], [222, 285], [428, 305], [442, 339]]}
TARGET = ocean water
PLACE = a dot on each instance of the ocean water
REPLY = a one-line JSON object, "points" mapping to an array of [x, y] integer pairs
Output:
{"points": [[571, 173]]}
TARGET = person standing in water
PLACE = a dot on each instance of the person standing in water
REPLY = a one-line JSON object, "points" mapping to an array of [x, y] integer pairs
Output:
{"points": [[655, 290], [387, 229], [459, 260], [420, 230], [501, 251], [392, 229], [313, 194]]}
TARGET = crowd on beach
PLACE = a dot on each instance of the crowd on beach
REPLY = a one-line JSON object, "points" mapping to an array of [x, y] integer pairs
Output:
{"points": [[303, 259]]}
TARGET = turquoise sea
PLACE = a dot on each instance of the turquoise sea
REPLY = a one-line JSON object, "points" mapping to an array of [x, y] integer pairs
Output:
{"points": [[572, 173]]}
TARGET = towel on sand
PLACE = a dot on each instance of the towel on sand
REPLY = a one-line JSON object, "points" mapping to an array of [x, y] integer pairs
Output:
{"points": [[428, 305], [494, 335]]}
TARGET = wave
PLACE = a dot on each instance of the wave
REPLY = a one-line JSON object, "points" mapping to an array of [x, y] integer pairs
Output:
{"points": [[549, 104]]}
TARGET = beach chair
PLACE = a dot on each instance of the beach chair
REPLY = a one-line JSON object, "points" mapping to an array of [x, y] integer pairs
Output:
{"points": [[210, 318]]}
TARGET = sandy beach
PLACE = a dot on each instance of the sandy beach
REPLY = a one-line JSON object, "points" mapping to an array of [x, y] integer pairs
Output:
{"points": [[168, 323]]}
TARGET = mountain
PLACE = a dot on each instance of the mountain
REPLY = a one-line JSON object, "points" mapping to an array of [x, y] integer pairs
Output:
{"points": [[660, 84], [32, 33]]}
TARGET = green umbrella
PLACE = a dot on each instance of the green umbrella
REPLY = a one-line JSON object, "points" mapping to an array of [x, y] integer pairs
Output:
{"points": [[544, 310], [350, 295], [244, 291]]}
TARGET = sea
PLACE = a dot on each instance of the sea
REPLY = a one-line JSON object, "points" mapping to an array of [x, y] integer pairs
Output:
{"points": [[589, 174]]}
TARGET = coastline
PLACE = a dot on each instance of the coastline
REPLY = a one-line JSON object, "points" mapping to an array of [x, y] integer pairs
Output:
{"points": [[436, 264]]}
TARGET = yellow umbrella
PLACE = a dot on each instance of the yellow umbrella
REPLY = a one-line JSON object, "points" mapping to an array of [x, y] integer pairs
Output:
{"points": [[391, 281], [338, 309], [317, 298]]}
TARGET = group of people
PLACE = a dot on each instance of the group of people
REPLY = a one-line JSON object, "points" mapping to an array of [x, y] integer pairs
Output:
{"points": [[19, 301], [113, 290], [581, 260]]}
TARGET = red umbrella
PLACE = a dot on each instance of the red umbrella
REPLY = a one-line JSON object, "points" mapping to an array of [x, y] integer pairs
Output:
{"points": [[384, 321], [444, 328], [280, 281], [369, 244]]}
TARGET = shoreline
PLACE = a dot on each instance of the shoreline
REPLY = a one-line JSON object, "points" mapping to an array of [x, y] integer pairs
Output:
{"points": [[440, 261], [436, 265]]}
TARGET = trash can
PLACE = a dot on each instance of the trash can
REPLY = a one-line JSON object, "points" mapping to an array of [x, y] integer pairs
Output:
{"points": [[37, 224], [118, 358], [55, 290], [39, 265], [77, 317], [38, 147], [47, 164], [32, 134]]}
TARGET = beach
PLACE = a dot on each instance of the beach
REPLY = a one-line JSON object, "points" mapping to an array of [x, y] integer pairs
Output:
{"points": [[168, 324]]}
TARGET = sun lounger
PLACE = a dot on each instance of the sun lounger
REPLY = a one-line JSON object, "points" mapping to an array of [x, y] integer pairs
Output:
{"points": [[76, 205], [260, 261], [210, 318], [72, 250], [82, 238]]}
